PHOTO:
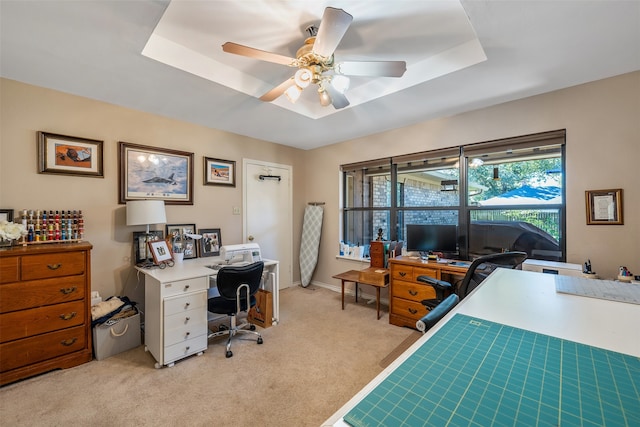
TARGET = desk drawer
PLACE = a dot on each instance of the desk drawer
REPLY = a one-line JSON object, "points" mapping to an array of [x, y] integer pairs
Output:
{"points": [[184, 326], [402, 272], [184, 349], [181, 287], [184, 303], [412, 291], [52, 265], [408, 309], [421, 271], [25, 323]]}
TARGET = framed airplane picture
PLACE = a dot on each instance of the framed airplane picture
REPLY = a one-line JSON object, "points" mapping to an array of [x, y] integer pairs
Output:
{"points": [[151, 173]]}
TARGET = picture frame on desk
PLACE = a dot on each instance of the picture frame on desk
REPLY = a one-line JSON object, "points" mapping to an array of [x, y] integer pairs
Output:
{"points": [[604, 207], [151, 173], [160, 251], [6, 215], [176, 235], [210, 243], [140, 243], [69, 155]]}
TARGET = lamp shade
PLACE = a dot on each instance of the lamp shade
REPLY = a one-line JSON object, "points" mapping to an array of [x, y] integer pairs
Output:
{"points": [[145, 212]]}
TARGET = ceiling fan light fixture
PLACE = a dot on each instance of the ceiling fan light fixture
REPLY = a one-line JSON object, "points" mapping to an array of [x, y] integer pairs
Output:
{"points": [[325, 99], [303, 77], [293, 93], [340, 83]]}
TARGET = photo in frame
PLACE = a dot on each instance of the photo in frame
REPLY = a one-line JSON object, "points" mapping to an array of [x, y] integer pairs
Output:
{"points": [[176, 234], [160, 251], [604, 207], [6, 215], [210, 242], [69, 155], [150, 173], [140, 244], [219, 172]]}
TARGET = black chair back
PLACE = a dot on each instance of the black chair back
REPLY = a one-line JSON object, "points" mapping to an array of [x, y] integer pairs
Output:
{"points": [[231, 277], [483, 266]]}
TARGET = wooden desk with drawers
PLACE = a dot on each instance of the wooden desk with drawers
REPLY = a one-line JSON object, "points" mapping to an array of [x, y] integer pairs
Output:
{"points": [[405, 292]]}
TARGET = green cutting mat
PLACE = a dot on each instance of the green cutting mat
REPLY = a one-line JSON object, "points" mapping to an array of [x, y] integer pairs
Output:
{"points": [[474, 372]]}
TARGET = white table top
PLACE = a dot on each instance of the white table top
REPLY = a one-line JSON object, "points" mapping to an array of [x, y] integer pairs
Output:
{"points": [[188, 269], [529, 300]]}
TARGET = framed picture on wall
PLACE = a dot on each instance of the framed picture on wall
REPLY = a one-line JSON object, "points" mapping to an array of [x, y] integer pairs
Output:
{"points": [[210, 242], [180, 242], [150, 173], [219, 172], [604, 207], [69, 155]]}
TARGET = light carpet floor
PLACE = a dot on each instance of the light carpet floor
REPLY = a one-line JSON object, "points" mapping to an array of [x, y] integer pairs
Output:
{"points": [[310, 364]]}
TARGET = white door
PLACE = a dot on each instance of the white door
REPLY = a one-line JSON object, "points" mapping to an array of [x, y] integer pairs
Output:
{"points": [[268, 213]]}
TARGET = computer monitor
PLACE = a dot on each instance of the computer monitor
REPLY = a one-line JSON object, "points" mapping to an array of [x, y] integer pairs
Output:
{"points": [[432, 238]]}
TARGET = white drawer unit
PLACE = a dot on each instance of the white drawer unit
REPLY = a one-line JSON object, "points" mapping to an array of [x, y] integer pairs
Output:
{"points": [[175, 317]]}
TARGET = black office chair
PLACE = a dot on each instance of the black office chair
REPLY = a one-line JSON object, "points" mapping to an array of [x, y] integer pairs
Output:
{"points": [[479, 270], [237, 287]]}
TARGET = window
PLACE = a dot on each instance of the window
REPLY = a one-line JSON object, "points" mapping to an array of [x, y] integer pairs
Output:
{"points": [[503, 195]]}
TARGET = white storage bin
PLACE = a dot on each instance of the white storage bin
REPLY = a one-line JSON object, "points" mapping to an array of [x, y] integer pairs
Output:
{"points": [[114, 339]]}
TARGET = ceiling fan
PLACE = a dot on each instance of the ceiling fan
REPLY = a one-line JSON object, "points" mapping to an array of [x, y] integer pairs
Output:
{"points": [[315, 63]]}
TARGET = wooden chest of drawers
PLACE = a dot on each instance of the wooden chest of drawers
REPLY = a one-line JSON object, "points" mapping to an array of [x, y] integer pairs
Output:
{"points": [[45, 309], [406, 293]]}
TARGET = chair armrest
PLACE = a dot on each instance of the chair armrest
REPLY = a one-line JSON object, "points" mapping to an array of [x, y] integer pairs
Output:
{"points": [[438, 285], [432, 317]]}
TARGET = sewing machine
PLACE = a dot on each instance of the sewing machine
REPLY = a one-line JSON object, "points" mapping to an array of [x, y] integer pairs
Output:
{"points": [[246, 253]]}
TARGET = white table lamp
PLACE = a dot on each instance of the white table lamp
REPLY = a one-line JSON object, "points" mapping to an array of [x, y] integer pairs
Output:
{"points": [[146, 212]]}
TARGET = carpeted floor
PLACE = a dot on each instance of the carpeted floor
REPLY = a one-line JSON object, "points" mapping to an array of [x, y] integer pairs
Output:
{"points": [[310, 364]]}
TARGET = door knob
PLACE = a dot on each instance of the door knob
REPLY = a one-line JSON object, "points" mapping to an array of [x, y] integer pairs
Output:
{"points": [[250, 238]]}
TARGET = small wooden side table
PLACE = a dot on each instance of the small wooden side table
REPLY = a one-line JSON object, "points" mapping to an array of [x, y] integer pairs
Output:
{"points": [[376, 277]]}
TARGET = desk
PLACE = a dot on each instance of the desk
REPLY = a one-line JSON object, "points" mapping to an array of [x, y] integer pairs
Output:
{"points": [[176, 307], [529, 301], [406, 292], [355, 277]]}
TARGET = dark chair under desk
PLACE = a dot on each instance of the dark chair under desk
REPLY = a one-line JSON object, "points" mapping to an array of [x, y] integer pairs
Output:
{"points": [[479, 270], [237, 286]]}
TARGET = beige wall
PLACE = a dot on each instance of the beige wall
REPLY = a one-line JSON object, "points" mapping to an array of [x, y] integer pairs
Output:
{"points": [[27, 109], [603, 148], [602, 120]]}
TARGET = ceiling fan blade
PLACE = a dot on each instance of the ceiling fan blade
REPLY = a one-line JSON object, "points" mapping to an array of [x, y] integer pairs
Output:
{"points": [[372, 68], [278, 90], [333, 26], [337, 98], [239, 49]]}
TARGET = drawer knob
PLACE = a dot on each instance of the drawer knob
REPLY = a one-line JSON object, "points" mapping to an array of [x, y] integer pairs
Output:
{"points": [[187, 334], [67, 291], [413, 293], [69, 342], [186, 287], [68, 316], [54, 266], [413, 311], [187, 304], [187, 319], [402, 273]]}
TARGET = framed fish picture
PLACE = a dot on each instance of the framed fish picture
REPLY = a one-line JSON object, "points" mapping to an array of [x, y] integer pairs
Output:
{"points": [[151, 173], [69, 155]]}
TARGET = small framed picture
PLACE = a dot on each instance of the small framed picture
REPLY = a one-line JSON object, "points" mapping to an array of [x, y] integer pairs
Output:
{"points": [[160, 251], [140, 243], [6, 215], [210, 242], [604, 207], [69, 155], [219, 172], [180, 242]]}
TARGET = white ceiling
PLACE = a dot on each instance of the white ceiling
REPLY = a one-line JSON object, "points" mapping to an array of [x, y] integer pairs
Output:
{"points": [[460, 56]]}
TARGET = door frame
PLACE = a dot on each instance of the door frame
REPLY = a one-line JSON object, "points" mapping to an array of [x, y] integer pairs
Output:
{"points": [[289, 208]]}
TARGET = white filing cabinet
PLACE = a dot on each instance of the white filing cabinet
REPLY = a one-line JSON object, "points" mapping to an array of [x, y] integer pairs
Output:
{"points": [[175, 317]]}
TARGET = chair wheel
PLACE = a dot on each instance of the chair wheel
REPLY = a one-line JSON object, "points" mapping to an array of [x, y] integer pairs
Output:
{"points": [[260, 340], [252, 327], [229, 354]]}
